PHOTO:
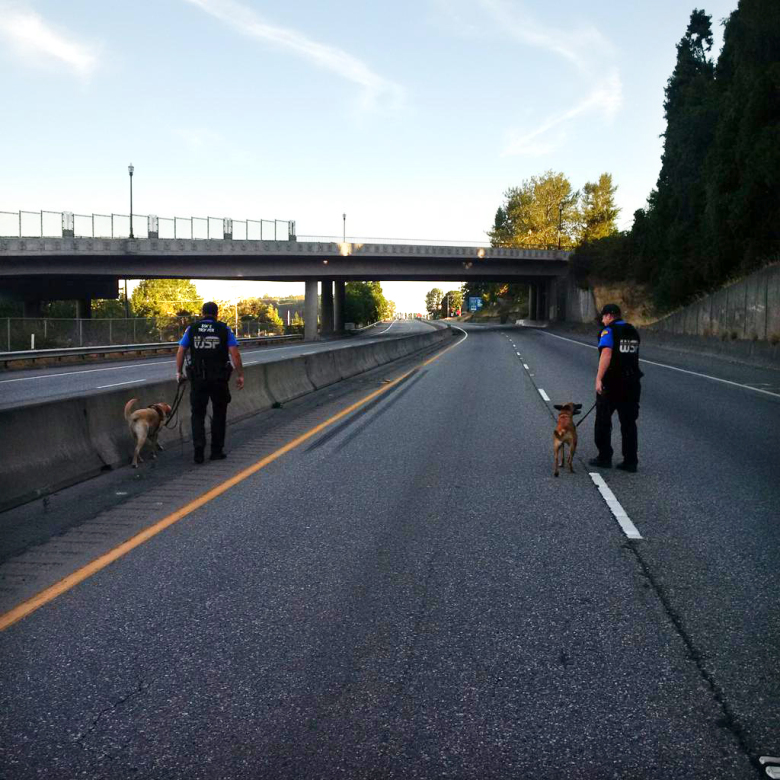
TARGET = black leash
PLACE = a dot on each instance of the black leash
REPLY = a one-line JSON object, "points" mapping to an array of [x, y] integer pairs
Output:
{"points": [[577, 425], [171, 421]]}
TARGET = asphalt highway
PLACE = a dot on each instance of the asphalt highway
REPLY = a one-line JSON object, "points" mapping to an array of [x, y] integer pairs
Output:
{"points": [[408, 592], [42, 384]]}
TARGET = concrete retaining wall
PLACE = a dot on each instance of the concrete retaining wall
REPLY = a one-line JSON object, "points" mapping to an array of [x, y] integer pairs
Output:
{"points": [[580, 304], [47, 446], [746, 310]]}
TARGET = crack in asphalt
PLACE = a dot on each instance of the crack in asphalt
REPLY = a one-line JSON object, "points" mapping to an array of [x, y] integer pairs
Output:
{"points": [[79, 738], [729, 720]]}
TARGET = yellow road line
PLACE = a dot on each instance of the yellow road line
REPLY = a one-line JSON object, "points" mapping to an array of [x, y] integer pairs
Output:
{"points": [[22, 610]]}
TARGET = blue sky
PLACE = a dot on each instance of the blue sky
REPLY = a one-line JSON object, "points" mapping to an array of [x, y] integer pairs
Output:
{"points": [[411, 117]]}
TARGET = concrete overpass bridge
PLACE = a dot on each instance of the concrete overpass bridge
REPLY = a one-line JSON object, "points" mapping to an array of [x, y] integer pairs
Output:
{"points": [[77, 268]]}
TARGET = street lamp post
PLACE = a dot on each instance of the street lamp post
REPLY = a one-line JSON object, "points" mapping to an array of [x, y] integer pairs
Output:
{"points": [[130, 170], [560, 222], [344, 217]]}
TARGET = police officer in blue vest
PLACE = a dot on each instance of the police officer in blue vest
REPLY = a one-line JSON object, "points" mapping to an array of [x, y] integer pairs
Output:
{"points": [[618, 388], [211, 346]]}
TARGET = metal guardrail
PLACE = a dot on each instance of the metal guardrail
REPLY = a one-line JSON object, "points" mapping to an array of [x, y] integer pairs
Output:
{"points": [[34, 354], [62, 224]]}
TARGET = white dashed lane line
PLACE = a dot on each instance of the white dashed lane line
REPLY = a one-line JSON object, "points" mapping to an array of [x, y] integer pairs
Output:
{"points": [[629, 529]]}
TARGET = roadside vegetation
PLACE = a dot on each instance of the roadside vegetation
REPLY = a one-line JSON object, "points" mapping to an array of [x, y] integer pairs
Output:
{"points": [[714, 214]]}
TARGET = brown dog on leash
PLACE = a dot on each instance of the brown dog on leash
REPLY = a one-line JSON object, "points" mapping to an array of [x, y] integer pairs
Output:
{"points": [[565, 433], [145, 425]]}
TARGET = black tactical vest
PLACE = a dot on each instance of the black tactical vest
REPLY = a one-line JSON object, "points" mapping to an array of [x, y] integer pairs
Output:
{"points": [[209, 355], [623, 374]]}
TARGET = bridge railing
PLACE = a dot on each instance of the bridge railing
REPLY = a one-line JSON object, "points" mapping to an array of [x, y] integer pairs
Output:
{"points": [[59, 224], [412, 241], [417, 242]]}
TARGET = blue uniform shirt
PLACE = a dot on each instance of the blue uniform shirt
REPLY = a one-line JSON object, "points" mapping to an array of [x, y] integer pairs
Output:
{"points": [[186, 342], [606, 339]]}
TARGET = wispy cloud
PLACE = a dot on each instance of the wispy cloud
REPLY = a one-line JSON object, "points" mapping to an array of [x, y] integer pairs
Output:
{"points": [[606, 98], [28, 35], [586, 49], [576, 46], [376, 90], [196, 138]]}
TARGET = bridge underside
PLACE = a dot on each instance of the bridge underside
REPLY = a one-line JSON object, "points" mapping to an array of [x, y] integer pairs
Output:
{"points": [[81, 270]]}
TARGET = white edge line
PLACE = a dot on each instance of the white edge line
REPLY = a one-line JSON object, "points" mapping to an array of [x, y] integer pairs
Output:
{"points": [[629, 529], [674, 368], [543, 394], [116, 384], [525, 366], [84, 371]]}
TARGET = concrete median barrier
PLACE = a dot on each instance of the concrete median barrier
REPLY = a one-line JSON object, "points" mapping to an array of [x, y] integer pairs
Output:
{"points": [[44, 447], [47, 446], [355, 360], [322, 369], [287, 379]]}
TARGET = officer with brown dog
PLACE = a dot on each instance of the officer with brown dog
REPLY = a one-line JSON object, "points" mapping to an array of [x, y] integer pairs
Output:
{"points": [[618, 388]]}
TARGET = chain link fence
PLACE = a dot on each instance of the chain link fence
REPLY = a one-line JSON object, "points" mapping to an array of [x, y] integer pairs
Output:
{"points": [[22, 333], [19, 333]]}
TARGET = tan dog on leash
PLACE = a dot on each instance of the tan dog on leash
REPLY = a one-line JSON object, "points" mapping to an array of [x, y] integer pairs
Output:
{"points": [[145, 424], [565, 433]]}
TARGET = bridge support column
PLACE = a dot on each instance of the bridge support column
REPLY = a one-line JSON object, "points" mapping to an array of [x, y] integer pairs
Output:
{"points": [[310, 311], [31, 309], [339, 299], [84, 309], [531, 301], [541, 302], [327, 307], [559, 293]]}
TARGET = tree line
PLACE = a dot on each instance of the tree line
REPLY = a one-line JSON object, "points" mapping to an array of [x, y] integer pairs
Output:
{"points": [[546, 212], [178, 299], [440, 304], [714, 213]]}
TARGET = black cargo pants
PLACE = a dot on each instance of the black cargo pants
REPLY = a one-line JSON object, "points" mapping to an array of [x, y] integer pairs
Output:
{"points": [[627, 407], [201, 391]]}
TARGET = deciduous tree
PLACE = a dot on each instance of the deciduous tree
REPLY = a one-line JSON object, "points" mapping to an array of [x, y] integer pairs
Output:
{"points": [[599, 212], [541, 212], [166, 298], [433, 300]]}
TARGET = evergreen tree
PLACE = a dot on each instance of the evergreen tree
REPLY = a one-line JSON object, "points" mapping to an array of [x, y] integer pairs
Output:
{"points": [[743, 167], [676, 206], [715, 211]]}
